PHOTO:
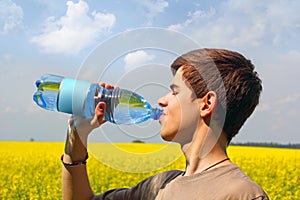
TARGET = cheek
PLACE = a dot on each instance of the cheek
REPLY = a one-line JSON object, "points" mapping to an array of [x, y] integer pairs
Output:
{"points": [[176, 114], [182, 116], [190, 110], [189, 116], [171, 122], [188, 124]]}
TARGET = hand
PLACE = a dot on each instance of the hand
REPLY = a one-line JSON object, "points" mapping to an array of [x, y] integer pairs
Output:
{"points": [[84, 126]]}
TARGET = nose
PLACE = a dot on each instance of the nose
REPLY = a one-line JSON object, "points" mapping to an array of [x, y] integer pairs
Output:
{"points": [[162, 101]]}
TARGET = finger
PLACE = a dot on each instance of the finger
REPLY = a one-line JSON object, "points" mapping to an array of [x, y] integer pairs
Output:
{"points": [[100, 111], [109, 86], [102, 84]]}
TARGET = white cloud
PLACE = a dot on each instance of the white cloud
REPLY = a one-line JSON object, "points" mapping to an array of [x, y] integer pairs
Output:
{"points": [[279, 102], [153, 8], [236, 23], [11, 15], [283, 15], [288, 99], [137, 59], [194, 17], [279, 73], [75, 30]]}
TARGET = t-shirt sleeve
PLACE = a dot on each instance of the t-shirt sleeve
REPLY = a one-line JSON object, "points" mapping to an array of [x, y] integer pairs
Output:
{"points": [[146, 189]]}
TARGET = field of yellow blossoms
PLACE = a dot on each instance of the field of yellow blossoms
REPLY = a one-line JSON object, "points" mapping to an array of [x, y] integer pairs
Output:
{"points": [[32, 170]]}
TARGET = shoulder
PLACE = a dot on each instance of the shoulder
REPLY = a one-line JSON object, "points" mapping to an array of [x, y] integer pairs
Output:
{"points": [[238, 184], [158, 181], [165, 177]]}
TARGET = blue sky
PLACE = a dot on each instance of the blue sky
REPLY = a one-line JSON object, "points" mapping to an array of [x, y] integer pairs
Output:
{"points": [[39, 37]]}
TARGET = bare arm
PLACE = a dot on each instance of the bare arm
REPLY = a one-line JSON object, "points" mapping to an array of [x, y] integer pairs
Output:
{"points": [[75, 182]]}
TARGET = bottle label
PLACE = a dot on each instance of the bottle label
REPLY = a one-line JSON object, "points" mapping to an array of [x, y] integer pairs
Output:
{"points": [[72, 96]]}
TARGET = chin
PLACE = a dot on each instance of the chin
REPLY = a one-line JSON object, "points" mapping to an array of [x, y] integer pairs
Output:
{"points": [[167, 136]]}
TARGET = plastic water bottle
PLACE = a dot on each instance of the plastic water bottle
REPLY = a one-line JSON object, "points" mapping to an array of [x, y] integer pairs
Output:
{"points": [[67, 95]]}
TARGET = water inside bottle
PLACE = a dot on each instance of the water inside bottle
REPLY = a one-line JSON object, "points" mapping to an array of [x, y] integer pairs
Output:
{"points": [[125, 114], [133, 109]]}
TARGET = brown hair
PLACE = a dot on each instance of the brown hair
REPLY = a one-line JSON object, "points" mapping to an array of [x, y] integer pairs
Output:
{"points": [[230, 75]]}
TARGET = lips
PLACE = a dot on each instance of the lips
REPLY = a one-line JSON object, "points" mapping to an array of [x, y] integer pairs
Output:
{"points": [[161, 118]]}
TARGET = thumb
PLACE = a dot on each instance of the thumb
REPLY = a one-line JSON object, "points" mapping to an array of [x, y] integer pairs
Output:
{"points": [[99, 112]]}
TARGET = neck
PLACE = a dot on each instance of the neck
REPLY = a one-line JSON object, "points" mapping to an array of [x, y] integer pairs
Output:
{"points": [[204, 153]]}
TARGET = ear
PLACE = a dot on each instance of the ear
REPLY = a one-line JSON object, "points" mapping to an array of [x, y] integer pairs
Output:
{"points": [[208, 104]]}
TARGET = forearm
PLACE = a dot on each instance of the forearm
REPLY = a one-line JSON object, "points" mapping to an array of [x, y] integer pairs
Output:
{"points": [[75, 182]]}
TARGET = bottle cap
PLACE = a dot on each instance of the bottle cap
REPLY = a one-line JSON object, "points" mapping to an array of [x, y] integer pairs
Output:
{"points": [[156, 113]]}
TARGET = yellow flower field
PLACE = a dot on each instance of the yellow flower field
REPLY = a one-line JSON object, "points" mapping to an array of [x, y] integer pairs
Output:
{"points": [[32, 170]]}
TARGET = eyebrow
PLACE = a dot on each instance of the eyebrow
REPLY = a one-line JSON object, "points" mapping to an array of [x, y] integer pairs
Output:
{"points": [[173, 86]]}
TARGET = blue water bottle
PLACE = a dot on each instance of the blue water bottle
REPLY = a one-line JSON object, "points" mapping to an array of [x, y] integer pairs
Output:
{"points": [[67, 95]]}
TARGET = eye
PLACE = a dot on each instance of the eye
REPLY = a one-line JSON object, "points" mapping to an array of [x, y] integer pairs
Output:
{"points": [[174, 89], [174, 92]]}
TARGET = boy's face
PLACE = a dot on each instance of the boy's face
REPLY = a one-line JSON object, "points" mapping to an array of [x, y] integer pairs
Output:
{"points": [[181, 114]]}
